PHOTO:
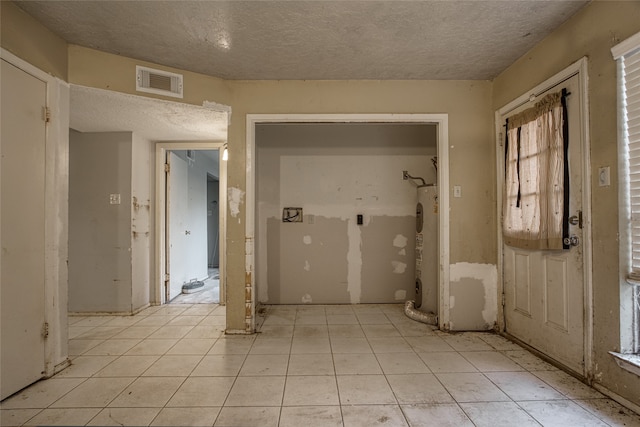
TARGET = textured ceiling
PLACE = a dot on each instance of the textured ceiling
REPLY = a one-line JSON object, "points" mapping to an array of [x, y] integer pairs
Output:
{"points": [[312, 39]]}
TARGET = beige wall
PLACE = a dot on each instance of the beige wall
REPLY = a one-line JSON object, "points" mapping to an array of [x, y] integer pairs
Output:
{"points": [[471, 156], [591, 33], [23, 36]]}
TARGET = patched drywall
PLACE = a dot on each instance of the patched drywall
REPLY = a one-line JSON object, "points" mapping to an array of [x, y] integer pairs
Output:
{"points": [[473, 296], [335, 173]]}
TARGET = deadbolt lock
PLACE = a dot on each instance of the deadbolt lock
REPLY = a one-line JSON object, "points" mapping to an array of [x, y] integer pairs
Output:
{"points": [[576, 219]]}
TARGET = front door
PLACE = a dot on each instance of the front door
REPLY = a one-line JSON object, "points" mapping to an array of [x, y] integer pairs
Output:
{"points": [[22, 229], [544, 290]]}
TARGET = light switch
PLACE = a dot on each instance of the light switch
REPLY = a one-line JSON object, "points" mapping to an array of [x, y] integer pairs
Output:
{"points": [[604, 176], [114, 199], [457, 191]]}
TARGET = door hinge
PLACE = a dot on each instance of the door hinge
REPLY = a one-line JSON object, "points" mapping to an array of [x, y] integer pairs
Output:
{"points": [[167, 168], [503, 300], [166, 277], [45, 330], [46, 114], [500, 140]]}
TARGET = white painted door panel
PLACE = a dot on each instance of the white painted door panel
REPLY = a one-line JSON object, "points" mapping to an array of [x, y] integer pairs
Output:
{"points": [[178, 223], [22, 229], [544, 290]]}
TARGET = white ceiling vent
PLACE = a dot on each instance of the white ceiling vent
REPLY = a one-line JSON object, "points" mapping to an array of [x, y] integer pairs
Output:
{"points": [[158, 82]]}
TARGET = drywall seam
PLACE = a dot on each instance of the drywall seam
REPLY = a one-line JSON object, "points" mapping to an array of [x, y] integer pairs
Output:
{"points": [[488, 275], [354, 262]]}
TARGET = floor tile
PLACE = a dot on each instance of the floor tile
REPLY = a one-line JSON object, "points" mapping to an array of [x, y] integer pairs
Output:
{"points": [[192, 346], [610, 412], [561, 413], [310, 345], [471, 387], [440, 362], [127, 366], [140, 332], [148, 392], [233, 345], [376, 331], [173, 366], [338, 309], [154, 320], [346, 331], [390, 345], [125, 417], [101, 333], [205, 331], [185, 320], [364, 390], [372, 319], [342, 319], [311, 319], [170, 331], [16, 417], [418, 388], [63, 417], [491, 361], [113, 347], [498, 414], [373, 415], [311, 416], [414, 329], [263, 345], [350, 345], [93, 393], [183, 417], [200, 310], [202, 391], [436, 414], [85, 366], [149, 347], [310, 391], [428, 344], [350, 364], [466, 342], [41, 394], [219, 365], [401, 363], [301, 331], [499, 343], [93, 321], [311, 364], [568, 385], [277, 331], [265, 364], [258, 391], [528, 361], [523, 386], [123, 321], [78, 347], [248, 416]]}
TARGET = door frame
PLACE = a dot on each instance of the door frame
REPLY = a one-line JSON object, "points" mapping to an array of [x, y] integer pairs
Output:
{"points": [[56, 196], [579, 68], [161, 219], [442, 123]]}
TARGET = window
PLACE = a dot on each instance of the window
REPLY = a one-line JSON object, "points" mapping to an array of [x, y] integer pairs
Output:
{"points": [[627, 55]]}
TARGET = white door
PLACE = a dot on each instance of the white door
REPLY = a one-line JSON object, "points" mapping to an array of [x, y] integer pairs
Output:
{"points": [[22, 229], [178, 224], [544, 290]]}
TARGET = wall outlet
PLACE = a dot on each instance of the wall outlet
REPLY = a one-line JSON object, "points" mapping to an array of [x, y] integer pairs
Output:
{"points": [[114, 199], [604, 176], [292, 215], [457, 191]]}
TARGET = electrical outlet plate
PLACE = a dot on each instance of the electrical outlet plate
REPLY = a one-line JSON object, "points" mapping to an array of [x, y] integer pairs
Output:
{"points": [[292, 215]]}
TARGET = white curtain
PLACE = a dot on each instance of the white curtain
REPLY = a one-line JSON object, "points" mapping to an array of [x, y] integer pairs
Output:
{"points": [[533, 207]]}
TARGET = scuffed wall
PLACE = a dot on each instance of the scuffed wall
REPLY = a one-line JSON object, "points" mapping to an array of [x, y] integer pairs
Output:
{"points": [[335, 173], [473, 296]]}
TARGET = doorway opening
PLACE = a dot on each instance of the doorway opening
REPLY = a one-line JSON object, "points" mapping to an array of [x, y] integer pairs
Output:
{"points": [[190, 188], [353, 222]]}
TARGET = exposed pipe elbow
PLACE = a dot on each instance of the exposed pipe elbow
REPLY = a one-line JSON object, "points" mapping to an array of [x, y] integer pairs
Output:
{"points": [[420, 316]]}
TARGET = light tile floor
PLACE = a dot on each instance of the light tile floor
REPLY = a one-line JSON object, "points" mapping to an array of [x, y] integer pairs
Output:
{"points": [[361, 365]]}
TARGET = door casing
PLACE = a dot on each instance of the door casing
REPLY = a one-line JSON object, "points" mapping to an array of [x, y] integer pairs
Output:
{"points": [[161, 200]]}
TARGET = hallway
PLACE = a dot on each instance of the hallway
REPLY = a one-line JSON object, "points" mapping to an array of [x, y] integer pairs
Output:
{"points": [[360, 365]]}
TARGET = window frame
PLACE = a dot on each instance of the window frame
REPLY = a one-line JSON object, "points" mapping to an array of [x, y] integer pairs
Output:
{"points": [[629, 357]]}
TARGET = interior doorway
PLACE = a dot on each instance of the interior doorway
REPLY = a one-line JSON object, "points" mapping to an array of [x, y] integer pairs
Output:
{"points": [[191, 225], [253, 244]]}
